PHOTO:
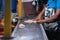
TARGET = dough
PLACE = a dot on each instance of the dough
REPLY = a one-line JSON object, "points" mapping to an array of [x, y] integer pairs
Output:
{"points": [[29, 21], [21, 25]]}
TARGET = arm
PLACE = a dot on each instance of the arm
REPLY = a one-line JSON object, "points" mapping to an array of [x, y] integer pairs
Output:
{"points": [[52, 19], [41, 13], [37, 7], [40, 16]]}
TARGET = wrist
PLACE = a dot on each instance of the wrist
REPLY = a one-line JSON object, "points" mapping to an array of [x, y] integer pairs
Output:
{"points": [[41, 21]]}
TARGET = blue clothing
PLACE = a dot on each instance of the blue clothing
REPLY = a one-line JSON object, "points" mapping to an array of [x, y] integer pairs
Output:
{"points": [[58, 7], [13, 5], [2, 7], [53, 4], [58, 4]]}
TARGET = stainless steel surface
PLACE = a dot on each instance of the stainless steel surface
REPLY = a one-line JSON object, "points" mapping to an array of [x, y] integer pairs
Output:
{"points": [[29, 32]]}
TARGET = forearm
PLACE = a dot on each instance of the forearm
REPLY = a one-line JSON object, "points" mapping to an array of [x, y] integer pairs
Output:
{"points": [[41, 13], [52, 18], [49, 20]]}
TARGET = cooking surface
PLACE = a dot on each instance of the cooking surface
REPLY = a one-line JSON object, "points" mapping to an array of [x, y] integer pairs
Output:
{"points": [[29, 32]]}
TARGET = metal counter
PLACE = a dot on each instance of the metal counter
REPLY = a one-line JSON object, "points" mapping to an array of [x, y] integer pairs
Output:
{"points": [[29, 32]]}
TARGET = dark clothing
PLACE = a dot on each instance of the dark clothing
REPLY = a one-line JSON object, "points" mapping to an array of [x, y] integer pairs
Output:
{"points": [[58, 34], [54, 35], [0, 4], [41, 4]]}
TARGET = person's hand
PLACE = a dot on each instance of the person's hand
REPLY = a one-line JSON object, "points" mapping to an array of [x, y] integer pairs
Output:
{"points": [[39, 22], [37, 19]]}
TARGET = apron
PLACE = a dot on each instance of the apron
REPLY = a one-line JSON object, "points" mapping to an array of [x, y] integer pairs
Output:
{"points": [[48, 13]]}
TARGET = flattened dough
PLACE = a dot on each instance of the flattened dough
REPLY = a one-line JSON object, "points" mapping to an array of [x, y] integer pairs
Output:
{"points": [[29, 21], [21, 25]]}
